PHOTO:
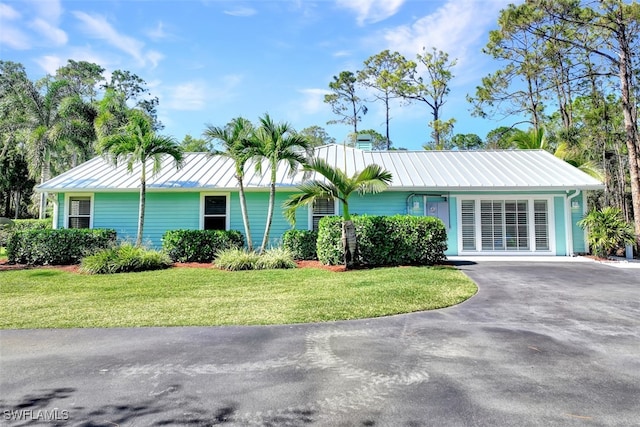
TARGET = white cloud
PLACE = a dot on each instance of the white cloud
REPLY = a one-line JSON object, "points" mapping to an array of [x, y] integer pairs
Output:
{"points": [[371, 11], [13, 38], [50, 63], [341, 53], [157, 33], [458, 27], [49, 10], [98, 27], [8, 13], [241, 11], [190, 96], [313, 100], [55, 35]]}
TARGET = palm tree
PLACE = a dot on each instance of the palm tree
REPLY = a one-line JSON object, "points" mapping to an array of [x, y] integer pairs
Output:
{"points": [[532, 140], [372, 179], [277, 142], [236, 144], [137, 143]]}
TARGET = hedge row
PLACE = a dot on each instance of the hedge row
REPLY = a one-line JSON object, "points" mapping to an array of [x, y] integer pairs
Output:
{"points": [[385, 240], [301, 244], [23, 224], [199, 245], [56, 247]]}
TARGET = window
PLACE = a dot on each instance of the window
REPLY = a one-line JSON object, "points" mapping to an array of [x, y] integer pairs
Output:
{"points": [[215, 213], [79, 212], [505, 225], [322, 207]]}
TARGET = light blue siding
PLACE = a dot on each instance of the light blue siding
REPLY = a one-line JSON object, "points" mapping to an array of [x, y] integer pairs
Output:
{"points": [[560, 222], [577, 213]]}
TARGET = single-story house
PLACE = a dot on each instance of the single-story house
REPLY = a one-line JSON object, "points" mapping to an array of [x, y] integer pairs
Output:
{"points": [[492, 202]]}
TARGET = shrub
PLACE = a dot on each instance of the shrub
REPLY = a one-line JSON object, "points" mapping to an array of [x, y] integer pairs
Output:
{"points": [[236, 259], [124, 258], [385, 240], [607, 230], [301, 244], [57, 247], [199, 245], [23, 224], [275, 258]]}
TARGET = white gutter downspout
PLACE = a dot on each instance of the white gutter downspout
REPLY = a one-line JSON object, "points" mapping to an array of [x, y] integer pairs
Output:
{"points": [[569, 222]]}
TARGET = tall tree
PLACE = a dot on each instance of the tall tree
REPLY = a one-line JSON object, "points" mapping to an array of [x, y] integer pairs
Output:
{"points": [[338, 186], [234, 141], [467, 141], [276, 143], [83, 77], [135, 90], [606, 31], [317, 136], [194, 145], [344, 101], [138, 143], [432, 89], [385, 72]]}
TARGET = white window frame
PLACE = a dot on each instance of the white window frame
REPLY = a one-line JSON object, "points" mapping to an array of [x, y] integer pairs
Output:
{"points": [[530, 224], [336, 205], [67, 205], [227, 208]]}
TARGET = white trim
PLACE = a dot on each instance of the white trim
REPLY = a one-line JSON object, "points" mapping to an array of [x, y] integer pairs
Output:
{"points": [[336, 205], [56, 214], [530, 224], [68, 197], [227, 208], [569, 220]]}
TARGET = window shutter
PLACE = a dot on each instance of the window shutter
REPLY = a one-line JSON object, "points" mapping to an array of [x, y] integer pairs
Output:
{"points": [[468, 209]]}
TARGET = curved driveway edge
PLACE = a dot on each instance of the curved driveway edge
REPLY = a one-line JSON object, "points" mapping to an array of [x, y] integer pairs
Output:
{"points": [[546, 343]]}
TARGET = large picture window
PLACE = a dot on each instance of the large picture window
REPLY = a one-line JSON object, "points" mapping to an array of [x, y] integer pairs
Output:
{"points": [[79, 212], [215, 212], [518, 225]]}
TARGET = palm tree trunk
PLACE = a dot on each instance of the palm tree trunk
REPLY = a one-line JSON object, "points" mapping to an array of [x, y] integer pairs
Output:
{"points": [[245, 216], [349, 243], [143, 197], [272, 202]]}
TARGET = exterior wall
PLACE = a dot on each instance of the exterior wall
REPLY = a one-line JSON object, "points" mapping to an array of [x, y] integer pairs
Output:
{"points": [[183, 210]]}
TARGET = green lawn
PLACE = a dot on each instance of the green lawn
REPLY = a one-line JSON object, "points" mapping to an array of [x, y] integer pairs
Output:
{"points": [[50, 298]]}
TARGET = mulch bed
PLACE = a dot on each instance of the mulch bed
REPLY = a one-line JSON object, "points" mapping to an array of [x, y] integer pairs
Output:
{"points": [[5, 266]]}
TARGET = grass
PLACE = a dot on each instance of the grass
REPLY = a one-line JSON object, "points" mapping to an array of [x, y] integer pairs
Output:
{"points": [[50, 298]]}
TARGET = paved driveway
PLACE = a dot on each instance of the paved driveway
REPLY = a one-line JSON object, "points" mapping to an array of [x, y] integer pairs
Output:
{"points": [[542, 344]]}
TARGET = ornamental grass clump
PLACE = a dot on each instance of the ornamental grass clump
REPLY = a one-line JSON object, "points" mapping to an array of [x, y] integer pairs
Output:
{"points": [[124, 258], [242, 259], [607, 230]]}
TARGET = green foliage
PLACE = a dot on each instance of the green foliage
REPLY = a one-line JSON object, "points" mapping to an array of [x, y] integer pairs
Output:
{"points": [[199, 245], [607, 230], [242, 259], [236, 259], [57, 247], [275, 258], [23, 224], [124, 258], [386, 240], [301, 243]]}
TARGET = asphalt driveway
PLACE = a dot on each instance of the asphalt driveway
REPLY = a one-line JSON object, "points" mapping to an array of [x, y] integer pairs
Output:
{"points": [[541, 344]]}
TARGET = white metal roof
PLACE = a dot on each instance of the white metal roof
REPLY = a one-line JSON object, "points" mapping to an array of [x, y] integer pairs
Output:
{"points": [[507, 170]]}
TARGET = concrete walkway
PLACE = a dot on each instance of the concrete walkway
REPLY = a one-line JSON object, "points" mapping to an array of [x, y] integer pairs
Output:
{"points": [[541, 344]]}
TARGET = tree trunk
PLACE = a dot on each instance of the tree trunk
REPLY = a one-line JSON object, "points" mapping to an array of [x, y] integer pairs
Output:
{"points": [[349, 243], [272, 202], [631, 128], [143, 197], [245, 215]]}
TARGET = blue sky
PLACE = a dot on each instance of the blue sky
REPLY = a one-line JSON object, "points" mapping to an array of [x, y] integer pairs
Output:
{"points": [[209, 61]]}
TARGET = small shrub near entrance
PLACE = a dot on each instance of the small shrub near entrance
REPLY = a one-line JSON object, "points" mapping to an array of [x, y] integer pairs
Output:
{"points": [[301, 243]]}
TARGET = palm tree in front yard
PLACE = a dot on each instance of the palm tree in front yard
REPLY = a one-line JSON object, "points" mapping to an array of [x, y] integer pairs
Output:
{"points": [[138, 143], [372, 179], [277, 142], [235, 143]]}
